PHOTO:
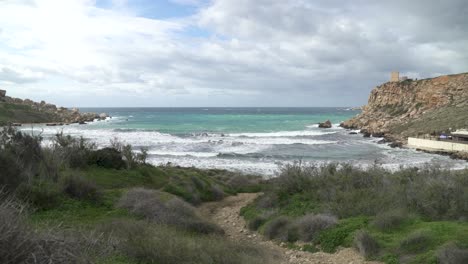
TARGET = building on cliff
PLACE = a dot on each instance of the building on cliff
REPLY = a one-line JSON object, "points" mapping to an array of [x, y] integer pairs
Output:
{"points": [[395, 77], [2, 93]]}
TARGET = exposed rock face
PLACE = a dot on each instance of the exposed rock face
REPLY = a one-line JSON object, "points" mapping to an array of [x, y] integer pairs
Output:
{"points": [[326, 124], [57, 115], [395, 103]]}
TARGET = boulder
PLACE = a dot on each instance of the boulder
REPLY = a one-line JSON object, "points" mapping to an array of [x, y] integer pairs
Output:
{"points": [[103, 116], [326, 124]]}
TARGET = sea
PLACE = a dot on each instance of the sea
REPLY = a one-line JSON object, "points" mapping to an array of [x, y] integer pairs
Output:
{"points": [[250, 140]]}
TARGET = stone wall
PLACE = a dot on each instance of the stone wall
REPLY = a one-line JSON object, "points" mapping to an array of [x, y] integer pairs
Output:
{"points": [[436, 145]]}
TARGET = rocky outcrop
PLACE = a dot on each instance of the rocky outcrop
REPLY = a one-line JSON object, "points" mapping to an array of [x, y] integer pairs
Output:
{"points": [[326, 124], [395, 103], [55, 115]]}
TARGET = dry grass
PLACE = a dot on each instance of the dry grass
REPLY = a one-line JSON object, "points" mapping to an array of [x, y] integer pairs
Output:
{"points": [[309, 226], [366, 244], [164, 208]]}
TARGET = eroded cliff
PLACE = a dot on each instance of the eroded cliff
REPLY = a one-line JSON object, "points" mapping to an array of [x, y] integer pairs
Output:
{"points": [[401, 109]]}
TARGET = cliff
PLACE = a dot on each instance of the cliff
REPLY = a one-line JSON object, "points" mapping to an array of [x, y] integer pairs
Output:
{"points": [[397, 110], [16, 110]]}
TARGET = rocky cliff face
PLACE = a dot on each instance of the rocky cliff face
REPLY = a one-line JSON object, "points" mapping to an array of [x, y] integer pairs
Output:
{"points": [[396, 103], [53, 113]]}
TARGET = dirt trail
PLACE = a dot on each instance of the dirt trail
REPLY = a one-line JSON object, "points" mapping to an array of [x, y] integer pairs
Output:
{"points": [[225, 213]]}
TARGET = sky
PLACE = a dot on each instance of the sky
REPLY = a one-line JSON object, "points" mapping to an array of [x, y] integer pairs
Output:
{"points": [[183, 53]]}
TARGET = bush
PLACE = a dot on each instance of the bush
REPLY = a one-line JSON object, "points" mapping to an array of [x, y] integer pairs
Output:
{"points": [[11, 175], [42, 195], [166, 209], [108, 158], [21, 244], [309, 226], [366, 244], [389, 220], [80, 188], [256, 222], [451, 254], [278, 228], [147, 243], [416, 242]]}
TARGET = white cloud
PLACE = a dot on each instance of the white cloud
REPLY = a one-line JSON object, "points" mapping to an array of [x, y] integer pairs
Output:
{"points": [[319, 53]]}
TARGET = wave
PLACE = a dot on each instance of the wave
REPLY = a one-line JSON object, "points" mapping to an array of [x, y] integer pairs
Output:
{"points": [[186, 153], [300, 133]]}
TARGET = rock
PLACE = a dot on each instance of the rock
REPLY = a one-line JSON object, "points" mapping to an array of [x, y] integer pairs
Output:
{"points": [[82, 123], [326, 124], [353, 133], [396, 145], [103, 116], [377, 134]]}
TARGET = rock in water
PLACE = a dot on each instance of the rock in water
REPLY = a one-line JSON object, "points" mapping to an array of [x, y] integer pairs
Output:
{"points": [[326, 124]]}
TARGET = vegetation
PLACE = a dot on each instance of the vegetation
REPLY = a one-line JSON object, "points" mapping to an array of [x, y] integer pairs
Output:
{"points": [[444, 119], [340, 205], [16, 113], [69, 202]]}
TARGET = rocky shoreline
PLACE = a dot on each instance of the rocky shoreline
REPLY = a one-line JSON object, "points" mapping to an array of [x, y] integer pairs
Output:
{"points": [[57, 115]]}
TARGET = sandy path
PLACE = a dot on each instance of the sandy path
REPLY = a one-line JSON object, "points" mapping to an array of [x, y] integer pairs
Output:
{"points": [[225, 213]]}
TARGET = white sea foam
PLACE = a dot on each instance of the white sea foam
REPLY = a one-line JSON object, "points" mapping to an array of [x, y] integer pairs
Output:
{"points": [[283, 134]]}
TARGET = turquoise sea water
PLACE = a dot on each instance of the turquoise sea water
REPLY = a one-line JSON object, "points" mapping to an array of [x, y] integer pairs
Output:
{"points": [[255, 140]]}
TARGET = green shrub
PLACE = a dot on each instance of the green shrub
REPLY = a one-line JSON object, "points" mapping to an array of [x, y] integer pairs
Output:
{"points": [[451, 254], [42, 195], [108, 158], [80, 188], [416, 242], [332, 238], [11, 175], [389, 220], [366, 244]]}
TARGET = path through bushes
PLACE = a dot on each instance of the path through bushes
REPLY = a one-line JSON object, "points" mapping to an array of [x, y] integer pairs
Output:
{"points": [[226, 213]]}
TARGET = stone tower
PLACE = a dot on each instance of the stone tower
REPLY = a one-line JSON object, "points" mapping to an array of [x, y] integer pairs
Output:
{"points": [[395, 77]]}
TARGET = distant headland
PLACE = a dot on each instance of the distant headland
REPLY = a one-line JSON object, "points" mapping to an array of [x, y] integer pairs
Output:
{"points": [[16, 111]]}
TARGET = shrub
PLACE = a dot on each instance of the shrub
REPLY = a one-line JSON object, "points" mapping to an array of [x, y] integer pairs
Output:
{"points": [[11, 173], [108, 158], [278, 229], [389, 220], [42, 195], [366, 244], [309, 226], [416, 242], [256, 222], [166, 209], [451, 254], [217, 192], [243, 183], [21, 244], [267, 200], [80, 188], [147, 243]]}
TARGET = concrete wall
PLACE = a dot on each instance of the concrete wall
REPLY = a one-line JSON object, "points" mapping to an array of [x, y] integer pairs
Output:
{"points": [[436, 145]]}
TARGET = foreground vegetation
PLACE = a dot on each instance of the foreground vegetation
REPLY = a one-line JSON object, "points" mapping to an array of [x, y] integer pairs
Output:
{"points": [[69, 202], [408, 216]]}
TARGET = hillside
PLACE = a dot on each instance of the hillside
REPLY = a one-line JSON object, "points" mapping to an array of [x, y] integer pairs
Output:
{"points": [[16, 110], [408, 108]]}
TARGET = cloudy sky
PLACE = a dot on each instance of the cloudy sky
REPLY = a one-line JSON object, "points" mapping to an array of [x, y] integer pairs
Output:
{"points": [[224, 52]]}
